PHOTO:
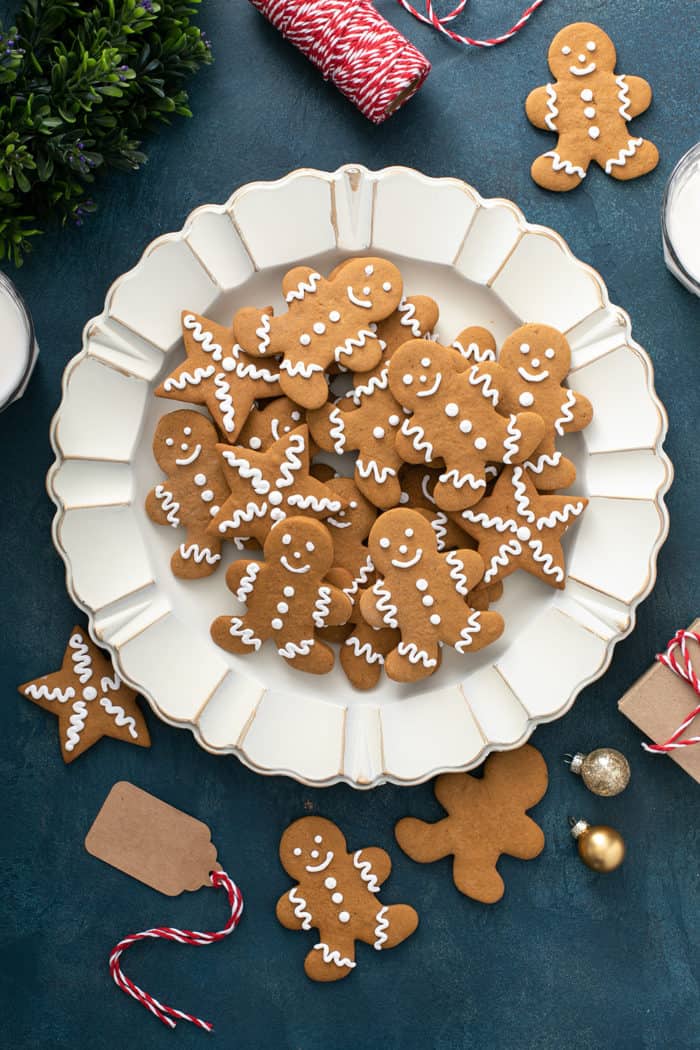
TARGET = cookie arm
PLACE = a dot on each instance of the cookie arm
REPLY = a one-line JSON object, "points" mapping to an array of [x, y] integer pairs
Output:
{"points": [[163, 503], [327, 427], [340, 608], [582, 413], [528, 840], [369, 610], [292, 911], [638, 95], [424, 842], [379, 863], [299, 282], [466, 569], [537, 109], [236, 572]]}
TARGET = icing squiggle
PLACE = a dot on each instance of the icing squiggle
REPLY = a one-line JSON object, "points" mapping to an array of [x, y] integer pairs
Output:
{"points": [[168, 503], [237, 629], [545, 560], [247, 583], [292, 649], [562, 516], [199, 554], [380, 929], [291, 462], [76, 724], [623, 95], [482, 518], [188, 378], [385, 604], [246, 470], [120, 716], [418, 439], [416, 655], [364, 650], [483, 380], [301, 368], [537, 466], [472, 627], [300, 911], [501, 558], [337, 429], [511, 442], [318, 505], [263, 334], [474, 353], [552, 111], [439, 526], [457, 573], [322, 608], [376, 382], [42, 692], [567, 415], [458, 481], [202, 336], [409, 319], [361, 579], [241, 514], [110, 684], [521, 498], [226, 406], [248, 370], [82, 662], [365, 869], [308, 286], [333, 956], [372, 469], [564, 165], [353, 343]]}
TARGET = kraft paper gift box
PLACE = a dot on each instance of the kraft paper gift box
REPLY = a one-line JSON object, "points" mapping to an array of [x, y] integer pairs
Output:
{"points": [[659, 701]]}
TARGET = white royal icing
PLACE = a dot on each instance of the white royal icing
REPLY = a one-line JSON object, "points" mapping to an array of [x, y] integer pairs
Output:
{"points": [[483, 380], [237, 629], [189, 378], [307, 287], [365, 869], [333, 956], [337, 429], [416, 655], [511, 443], [623, 95], [199, 554], [372, 469], [385, 605], [364, 650], [300, 908], [416, 433], [82, 661], [375, 382], [42, 692], [120, 716], [354, 343], [168, 503], [292, 649], [472, 627], [567, 415], [458, 481], [457, 573], [76, 724], [552, 111], [502, 557], [409, 317], [380, 936], [623, 156], [247, 582], [322, 607], [246, 470], [564, 165], [226, 407]]}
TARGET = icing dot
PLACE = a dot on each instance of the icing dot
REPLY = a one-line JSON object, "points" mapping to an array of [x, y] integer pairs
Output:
{"points": [[214, 510], [590, 45], [409, 533], [286, 539], [385, 542], [305, 339], [407, 380], [587, 95], [318, 839], [200, 479], [403, 549], [566, 50], [228, 364], [387, 286], [524, 348], [435, 619], [594, 132], [337, 898], [334, 316], [276, 514], [344, 916], [319, 327], [394, 421], [465, 425], [277, 625], [275, 498], [425, 362], [314, 853], [428, 600], [330, 883], [404, 497], [582, 58], [353, 506], [421, 584], [255, 442], [89, 692], [526, 399], [187, 431], [288, 592], [373, 326], [480, 443], [297, 554], [297, 852], [369, 270], [589, 111], [169, 442], [296, 416], [310, 547], [423, 379], [549, 353], [184, 446], [282, 607], [378, 433], [535, 362], [207, 495], [366, 290], [523, 533], [451, 409]]}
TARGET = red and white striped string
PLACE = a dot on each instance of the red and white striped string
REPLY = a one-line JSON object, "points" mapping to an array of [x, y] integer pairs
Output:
{"points": [[364, 55], [168, 1014], [678, 659], [438, 22]]}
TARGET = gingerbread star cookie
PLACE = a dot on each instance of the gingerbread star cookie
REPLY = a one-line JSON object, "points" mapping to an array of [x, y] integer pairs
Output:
{"points": [[267, 487], [518, 528], [218, 374], [88, 698], [485, 818], [336, 893]]}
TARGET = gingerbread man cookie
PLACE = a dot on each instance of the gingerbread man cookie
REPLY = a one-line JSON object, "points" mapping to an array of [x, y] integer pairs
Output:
{"points": [[535, 360], [486, 818], [269, 422], [589, 107], [517, 528], [424, 594], [349, 529], [286, 597], [455, 416], [336, 893], [417, 485], [326, 320], [217, 373], [184, 446], [89, 699], [266, 487]]}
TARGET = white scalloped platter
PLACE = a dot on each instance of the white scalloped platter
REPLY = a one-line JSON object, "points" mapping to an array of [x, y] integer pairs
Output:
{"points": [[485, 265]]}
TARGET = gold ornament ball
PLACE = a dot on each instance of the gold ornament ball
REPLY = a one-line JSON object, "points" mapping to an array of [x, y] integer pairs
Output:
{"points": [[600, 847], [604, 771]]}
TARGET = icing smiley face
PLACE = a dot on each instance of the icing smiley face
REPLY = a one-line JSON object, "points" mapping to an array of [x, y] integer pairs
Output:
{"points": [[398, 545], [370, 285], [578, 50], [537, 353], [180, 438], [424, 366], [300, 547], [309, 847], [359, 514]]}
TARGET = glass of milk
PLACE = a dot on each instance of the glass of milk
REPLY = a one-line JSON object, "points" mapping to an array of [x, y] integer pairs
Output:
{"points": [[18, 348], [680, 220]]}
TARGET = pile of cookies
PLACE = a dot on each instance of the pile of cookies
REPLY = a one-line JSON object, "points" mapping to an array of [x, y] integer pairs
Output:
{"points": [[453, 481]]}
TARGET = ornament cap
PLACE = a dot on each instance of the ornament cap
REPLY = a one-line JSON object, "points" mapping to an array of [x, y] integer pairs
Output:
{"points": [[578, 827], [576, 763]]}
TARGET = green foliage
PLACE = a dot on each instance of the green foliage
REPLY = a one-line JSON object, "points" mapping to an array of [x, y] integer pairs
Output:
{"points": [[81, 81]]}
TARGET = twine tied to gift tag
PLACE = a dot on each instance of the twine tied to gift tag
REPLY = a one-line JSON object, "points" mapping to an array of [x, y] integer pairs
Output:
{"points": [[678, 659], [438, 22]]}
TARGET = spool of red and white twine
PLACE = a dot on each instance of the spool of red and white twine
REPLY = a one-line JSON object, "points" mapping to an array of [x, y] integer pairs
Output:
{"points": [[677, 659], [168, 1014], [364, 55]]}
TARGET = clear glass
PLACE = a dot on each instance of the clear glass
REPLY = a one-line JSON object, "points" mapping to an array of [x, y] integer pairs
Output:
{"points": [[680, 220], [18, 348]]}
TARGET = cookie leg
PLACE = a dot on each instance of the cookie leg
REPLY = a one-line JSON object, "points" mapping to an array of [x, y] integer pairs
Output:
{"points": [[556, 170], [474, 633], [234, 634], [310, 390], [306, 654], [362, 657], [551, 470], [634, 157], [377, 483], [331, 962], [394, 923], [476, 877], [197, 557], [410, 662]]}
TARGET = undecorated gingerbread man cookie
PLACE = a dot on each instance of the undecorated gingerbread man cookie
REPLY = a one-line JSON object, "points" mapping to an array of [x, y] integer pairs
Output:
{"points": [[287, 597], [327, 319], [535, 360], [485, 818], [455, 416], [184, 446], [337, 894], [590, 108], [424, 594]]}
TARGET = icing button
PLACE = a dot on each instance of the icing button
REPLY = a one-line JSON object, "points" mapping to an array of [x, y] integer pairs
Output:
{"points": [[200, 479], [337, 898], [421, 584], [288, 592], [587, 95], [89, 692], [330, 883], [344, 916], [594, 132], [589, 112], [526, 399]]}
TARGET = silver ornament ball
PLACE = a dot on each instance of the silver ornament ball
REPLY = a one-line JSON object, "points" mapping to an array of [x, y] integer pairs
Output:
{"points": [[605, 771]]}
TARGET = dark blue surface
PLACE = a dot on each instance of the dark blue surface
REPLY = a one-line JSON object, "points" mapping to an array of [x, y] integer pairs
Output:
{"points": [[567, 959]]}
